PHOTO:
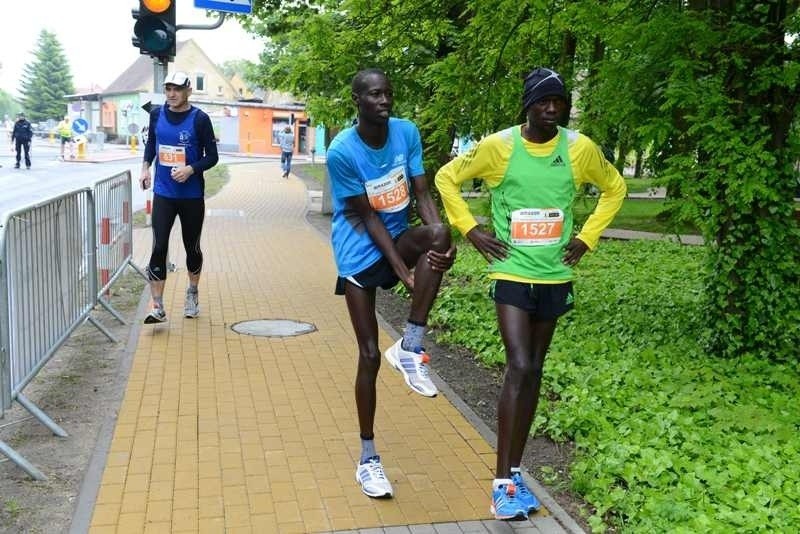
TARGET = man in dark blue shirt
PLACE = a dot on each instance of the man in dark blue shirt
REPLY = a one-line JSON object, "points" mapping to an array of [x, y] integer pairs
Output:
{"points": [[181, 141], [21, 139]]}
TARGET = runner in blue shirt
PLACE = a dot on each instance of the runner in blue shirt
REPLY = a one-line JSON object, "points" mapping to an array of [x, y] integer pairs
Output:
{"points": [[181, 141], [376, 176]]}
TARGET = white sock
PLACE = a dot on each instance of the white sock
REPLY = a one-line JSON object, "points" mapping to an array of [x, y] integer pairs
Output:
{"points": [[496, 483]]}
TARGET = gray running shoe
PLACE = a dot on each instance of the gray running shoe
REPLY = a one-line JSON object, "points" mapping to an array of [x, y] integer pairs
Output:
{"points": [[191, 308], [413, 366], [156, 315]]}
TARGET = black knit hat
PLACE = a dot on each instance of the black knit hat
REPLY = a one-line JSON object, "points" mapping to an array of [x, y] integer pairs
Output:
{"points": [[542, 82]]}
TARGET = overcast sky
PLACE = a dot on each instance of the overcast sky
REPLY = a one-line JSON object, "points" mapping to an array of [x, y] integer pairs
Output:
{"points": [[96, 37]]}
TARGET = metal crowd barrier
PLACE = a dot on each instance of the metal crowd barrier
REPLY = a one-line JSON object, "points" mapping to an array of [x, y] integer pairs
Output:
{"points": [[53, 273], [113, 199]]}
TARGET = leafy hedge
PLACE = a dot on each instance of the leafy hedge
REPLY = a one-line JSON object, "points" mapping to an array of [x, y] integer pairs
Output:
{"points": [[668, 439]]}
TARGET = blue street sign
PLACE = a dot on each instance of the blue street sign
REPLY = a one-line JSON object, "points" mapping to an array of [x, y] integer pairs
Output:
{"points": [[79, 126], [230, 6]]}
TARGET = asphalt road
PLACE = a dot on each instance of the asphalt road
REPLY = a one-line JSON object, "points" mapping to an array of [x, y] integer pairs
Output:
{"points": [[49, 176]]}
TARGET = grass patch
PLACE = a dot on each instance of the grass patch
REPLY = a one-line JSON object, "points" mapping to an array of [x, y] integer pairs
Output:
{"points": [[215, 178], [314, 170], [640, 185], [640, 214], [12, 508], [668, 438]]}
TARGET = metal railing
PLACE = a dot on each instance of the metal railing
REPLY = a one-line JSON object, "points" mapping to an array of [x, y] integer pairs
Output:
{"points": [[113, 198], [53, 273]]}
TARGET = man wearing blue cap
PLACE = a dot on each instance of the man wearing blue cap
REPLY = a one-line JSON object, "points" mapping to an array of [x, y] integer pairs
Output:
{"points": [[533, 171]]}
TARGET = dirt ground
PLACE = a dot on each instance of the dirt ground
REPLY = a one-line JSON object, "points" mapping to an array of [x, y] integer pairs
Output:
{"points": [[81, 388]]}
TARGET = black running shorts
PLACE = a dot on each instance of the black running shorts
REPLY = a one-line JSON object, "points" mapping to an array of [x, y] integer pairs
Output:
{"points": [[379, 274], [543, 301]]}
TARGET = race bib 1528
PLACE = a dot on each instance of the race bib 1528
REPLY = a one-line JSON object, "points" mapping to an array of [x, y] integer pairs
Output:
{"points": [[389, 193]]}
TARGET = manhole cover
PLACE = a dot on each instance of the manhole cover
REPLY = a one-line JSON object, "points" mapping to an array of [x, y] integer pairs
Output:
{"points": [[273, 328]]}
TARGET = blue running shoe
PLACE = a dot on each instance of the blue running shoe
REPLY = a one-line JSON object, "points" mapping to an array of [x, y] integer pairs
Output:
{"points": [[506, 505], [524, 495]]}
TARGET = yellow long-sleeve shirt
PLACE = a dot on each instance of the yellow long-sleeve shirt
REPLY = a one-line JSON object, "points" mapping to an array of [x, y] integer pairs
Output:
{"points": [[488, 161]]}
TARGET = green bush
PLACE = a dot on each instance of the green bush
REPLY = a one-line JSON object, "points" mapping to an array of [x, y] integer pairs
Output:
{"points": [[667, 438]]}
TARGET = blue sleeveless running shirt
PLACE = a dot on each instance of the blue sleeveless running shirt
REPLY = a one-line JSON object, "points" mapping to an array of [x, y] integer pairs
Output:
{"points": [[177, 145]]}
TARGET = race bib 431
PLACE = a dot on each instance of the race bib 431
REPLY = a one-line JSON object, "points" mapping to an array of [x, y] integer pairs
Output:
{"points": [[171, 156]]}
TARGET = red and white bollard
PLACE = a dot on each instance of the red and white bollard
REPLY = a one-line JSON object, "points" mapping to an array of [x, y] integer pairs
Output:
{"points": [[148, 208], [104, 251]]}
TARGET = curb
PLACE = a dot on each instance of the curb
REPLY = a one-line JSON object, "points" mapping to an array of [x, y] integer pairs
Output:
{"points": [[87, 493]]}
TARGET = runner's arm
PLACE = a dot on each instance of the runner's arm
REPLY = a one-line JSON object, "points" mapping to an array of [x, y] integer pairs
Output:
{"points": [[150, 146], [426, 208], [485, 161], [207, 140], [590, 165]]}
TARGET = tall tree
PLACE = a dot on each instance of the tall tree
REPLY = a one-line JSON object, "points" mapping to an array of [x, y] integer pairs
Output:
{"points": [[706, 90], [713, 88], [46, 80]]}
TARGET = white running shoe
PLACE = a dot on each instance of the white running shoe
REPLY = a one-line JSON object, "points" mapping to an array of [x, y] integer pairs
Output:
{"points": [[373, 479], [191, 308], [156, 315], [414, 366]]}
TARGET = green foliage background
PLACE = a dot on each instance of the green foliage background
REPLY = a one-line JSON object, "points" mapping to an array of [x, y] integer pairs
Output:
{"points": [[668, 438], [704, 93]]}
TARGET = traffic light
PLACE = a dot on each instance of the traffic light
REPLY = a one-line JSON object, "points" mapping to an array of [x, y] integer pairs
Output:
{"points": [[154, 31]]}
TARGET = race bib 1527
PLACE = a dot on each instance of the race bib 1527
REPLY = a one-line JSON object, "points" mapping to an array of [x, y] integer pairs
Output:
{"points": [[536, 226]]}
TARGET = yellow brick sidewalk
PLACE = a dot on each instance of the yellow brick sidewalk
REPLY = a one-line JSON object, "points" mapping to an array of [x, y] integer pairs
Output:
{"points": [[228, 433]]}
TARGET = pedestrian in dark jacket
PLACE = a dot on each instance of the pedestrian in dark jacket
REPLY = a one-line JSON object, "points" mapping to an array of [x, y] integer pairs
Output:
{"points": [[21, 138]]}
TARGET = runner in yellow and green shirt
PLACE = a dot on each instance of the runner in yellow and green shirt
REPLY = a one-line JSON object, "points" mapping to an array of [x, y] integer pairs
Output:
{"points": [[64, 129], [532, 172]]}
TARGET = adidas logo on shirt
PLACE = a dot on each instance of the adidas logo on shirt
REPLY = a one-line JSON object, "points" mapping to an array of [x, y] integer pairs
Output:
{"points": [[558, 162]]}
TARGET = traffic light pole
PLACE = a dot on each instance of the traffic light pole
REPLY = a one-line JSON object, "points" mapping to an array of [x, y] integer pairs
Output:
{"points": [[160, 64], [159, 73], [214, 26]]}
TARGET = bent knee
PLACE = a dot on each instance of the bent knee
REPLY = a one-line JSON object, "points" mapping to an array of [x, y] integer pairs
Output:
{"points": [[440, 237]]}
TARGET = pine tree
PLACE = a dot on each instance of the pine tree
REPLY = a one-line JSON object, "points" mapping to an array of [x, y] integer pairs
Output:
{"points": [[46, 80]]}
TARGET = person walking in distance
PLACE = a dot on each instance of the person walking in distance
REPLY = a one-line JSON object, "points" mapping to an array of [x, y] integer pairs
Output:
{"points": [[532, 171], [181, 141], [21, 137], [287, 150], [64, 129], [376, 175]]}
